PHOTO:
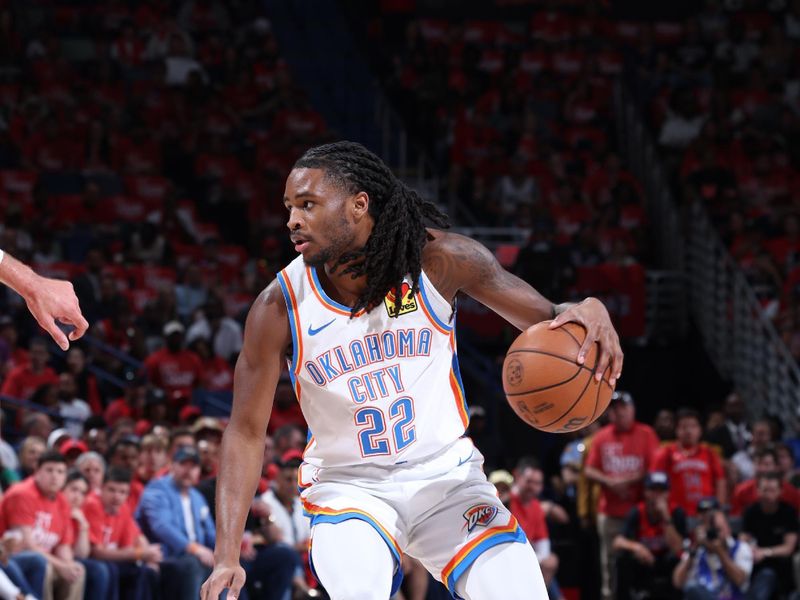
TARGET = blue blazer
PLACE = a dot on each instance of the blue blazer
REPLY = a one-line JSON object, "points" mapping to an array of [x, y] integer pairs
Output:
{"points": [[160, 516]]}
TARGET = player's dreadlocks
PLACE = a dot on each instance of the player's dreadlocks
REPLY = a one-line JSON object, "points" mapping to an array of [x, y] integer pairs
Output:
{"points": [[394, 247]]}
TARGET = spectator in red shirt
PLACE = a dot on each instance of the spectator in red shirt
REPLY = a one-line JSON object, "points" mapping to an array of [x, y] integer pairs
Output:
{"points": [[619, 457], [24, 380], [125, 453], [40, 512], [217, 373], [116, 538], [746, 493], [694, 468], [175, 370], [524, 504]]}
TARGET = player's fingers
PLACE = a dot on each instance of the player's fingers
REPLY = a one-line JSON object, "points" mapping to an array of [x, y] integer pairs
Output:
{"points": [[77, 321], [236, 584], [616, 365], [603, 358], [47, 323], [586, 346], [564, 317]]}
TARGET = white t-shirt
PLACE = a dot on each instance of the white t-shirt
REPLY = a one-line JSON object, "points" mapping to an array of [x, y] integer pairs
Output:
{"points": [[295, 526], [188, 518]]}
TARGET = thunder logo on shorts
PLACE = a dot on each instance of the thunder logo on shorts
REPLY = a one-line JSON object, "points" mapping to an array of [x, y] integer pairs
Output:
{"points": [[479, 515]]}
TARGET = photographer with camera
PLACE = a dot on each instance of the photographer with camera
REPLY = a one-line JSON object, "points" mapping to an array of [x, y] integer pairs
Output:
{"points": [[714, 566]]}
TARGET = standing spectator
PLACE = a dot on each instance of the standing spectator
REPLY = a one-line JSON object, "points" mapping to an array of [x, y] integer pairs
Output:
{"points": [[744, 460], [716, 566], [619, 457], [101, 580], [116, 539], [40, 512], [650, 543], [664, 425], [694, 469], [770, 527], [173, 513], [175, 370], [734, 434], [24, 380], [746, 493], [526, 507]]}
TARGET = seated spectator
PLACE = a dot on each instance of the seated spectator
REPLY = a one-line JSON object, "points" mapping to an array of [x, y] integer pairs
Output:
{"points": [[650, 543], [770, 527], [22, 381], [173, 513], [29, 452], [101, 580], [525, 506], [744, 460], [152, 459], [716, 566], [37, 425], [208, 437], [746, 493], [93, 467], [38, 510], [73, 410], [694, 469], [217, 373], [175, 370], [664, 425], [116, 539], [225, 334], [125, 453], [85, 381], [734, 434], [786, 464], [285, 410]]}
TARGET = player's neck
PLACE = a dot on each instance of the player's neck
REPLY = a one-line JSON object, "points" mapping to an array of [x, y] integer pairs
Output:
{"points": [[340, 285]]}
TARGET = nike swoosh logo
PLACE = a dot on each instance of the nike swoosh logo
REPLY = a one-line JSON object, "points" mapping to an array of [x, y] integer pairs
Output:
{"points": [[312, 331], [463, 460]]}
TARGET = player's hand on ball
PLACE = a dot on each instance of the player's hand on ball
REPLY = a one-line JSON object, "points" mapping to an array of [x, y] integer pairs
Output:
{"points": [[223, 577], [592, 314]]}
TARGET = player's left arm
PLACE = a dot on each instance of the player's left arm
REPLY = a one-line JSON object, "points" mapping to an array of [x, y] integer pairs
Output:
{"points": [[455, 263]]}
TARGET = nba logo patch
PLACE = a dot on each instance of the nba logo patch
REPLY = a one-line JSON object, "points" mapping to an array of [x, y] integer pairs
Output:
{"points": [[480, 515], [408, 303]]}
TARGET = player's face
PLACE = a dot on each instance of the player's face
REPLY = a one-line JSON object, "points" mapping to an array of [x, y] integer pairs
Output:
{"points": [[323, 219]]}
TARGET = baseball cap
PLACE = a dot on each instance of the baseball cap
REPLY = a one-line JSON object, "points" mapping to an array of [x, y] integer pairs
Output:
{"points": [[173, 327], [656, 480], [207, 424], [620, 396], [56, 437], [477, 411], [72, 445], [184, 453], [290, 455], [501, 476], [188, 412]]}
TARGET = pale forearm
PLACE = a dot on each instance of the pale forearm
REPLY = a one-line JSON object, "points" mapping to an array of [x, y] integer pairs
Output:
{"points": [[622, 543], [673, 539], [681, 573], [596, 476], [17, 275], [82, 548], [732, 570]]}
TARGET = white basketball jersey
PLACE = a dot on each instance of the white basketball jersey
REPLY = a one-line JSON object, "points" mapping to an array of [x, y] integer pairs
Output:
{"points": [[374, 389]]}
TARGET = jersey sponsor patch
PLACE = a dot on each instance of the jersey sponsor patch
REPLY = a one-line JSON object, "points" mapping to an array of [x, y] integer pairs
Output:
{"points": [[479, 515], [408, 303]]}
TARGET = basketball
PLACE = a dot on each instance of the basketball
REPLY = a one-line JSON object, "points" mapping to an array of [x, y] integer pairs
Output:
{"points": [[546, 386]]}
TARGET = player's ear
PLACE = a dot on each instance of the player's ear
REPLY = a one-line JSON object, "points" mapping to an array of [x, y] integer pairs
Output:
{"points": [[360, 205]]}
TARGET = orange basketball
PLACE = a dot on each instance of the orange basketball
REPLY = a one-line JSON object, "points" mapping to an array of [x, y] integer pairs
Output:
{"points": [[546, 386]]}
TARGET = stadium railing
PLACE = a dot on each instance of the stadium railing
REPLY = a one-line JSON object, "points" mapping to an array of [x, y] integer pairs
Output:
{"points": [[741, 341]]}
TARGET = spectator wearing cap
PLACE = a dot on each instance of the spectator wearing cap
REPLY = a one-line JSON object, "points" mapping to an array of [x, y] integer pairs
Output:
{"points": [[285, 410], [770, 527], [715, 566], [208, 437], [176, 515], [746, 493], [72, 449], [38, 510], [22, 381], [125, 453], [651, 543], [527, 508], [174, 369], [619, 457], [116, 539], [694, 468]]}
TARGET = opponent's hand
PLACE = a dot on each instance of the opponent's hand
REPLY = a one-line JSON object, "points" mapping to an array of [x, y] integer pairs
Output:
{"points": [[224, 576], [52, 299], [592, 314]]}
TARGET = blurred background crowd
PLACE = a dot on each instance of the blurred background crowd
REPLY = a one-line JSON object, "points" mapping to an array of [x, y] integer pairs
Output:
{"points": [[143, 151]]}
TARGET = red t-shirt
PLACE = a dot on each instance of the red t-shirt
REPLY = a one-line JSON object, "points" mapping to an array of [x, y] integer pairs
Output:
{"points": [[137, 487], [692, 474], [110, 531], [22, 382], [746, 493], [622, 454], [49, 519], [176, 373], [531, 518]]}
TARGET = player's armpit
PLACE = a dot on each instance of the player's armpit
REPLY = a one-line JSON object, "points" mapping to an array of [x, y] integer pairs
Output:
{"points": [[455, 263]]}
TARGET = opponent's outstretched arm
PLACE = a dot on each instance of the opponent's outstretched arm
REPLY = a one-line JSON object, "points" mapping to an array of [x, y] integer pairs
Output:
{"points": [[456, 263], [258, 368], [47, 299]]}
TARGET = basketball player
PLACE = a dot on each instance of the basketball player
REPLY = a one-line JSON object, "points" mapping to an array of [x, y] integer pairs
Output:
{"points": [[47, 299], [365, 317]]}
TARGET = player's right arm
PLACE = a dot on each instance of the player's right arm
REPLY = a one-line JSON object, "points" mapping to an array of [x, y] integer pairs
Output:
{"points": [[266, 339]]}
